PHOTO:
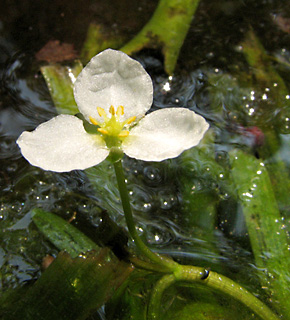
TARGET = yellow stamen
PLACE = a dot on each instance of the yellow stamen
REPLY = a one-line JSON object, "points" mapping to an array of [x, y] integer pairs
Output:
{"points": [[112, 110], [130, 120], [102, 112], [103, 131], [123, 134], [111, 127], [94, 121], [120, 111]]}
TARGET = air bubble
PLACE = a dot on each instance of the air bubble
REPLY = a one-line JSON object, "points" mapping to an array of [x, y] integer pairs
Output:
{"points": [[152, 176], [167, 200]]}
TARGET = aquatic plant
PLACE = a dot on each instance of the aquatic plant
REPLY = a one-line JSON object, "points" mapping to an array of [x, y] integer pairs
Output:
{"points": [[66, 143]]}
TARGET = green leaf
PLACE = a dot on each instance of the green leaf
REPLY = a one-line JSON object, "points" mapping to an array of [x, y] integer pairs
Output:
{"points": [[70, 289], [203, 311], [166, 30], [266, 77], [97, 40], [198, 187], [276, 167], [197, 302], [265, 226], [62, 234], [260, 61], [60, 80], [131, 299], [200, 180]]}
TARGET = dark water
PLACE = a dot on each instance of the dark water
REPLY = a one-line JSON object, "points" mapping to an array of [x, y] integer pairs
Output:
{"points": [[205, 79]]}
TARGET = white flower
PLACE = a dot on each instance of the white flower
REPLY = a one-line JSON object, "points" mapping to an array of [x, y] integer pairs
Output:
{"points": [[113, 92]]}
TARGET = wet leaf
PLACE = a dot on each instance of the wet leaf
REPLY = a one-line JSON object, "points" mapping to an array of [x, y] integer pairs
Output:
{"points": [[202, 304], [62, 234], [130, 301], [97, 40], [166, 30], [266, 227], [267, 77], [203, 311], [198, 188], [200, 180], [70, 288], [60, 80]]}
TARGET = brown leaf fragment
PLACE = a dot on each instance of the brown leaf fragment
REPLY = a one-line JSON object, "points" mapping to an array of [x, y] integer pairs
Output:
{"points": [[282, 22], [54, 51]]}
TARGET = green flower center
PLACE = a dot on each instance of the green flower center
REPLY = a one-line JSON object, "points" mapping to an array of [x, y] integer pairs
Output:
{"points": [[112, 129]]}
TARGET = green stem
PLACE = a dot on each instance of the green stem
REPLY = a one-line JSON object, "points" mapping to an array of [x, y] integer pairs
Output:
{"points": [[181, 272], [213, 280], [227, 286], [145, 265], [169, 264], [156, 295]]}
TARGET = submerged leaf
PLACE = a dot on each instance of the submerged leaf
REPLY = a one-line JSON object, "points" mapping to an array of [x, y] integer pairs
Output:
{"points": [[62, 234], [70, 289], [97, 40], [166, 30], [265, 226], [60, 80]]}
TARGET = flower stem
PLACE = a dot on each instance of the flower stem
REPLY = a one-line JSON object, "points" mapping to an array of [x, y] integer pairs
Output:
{"points": [[227, 286], [156, 295], [212, 280], [169, 264], [179, 272], [148, 266]]}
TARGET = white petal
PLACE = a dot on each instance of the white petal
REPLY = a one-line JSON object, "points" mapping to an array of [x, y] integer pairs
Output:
{"points": [[113, 78], [165, 134], [62, 144]]}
